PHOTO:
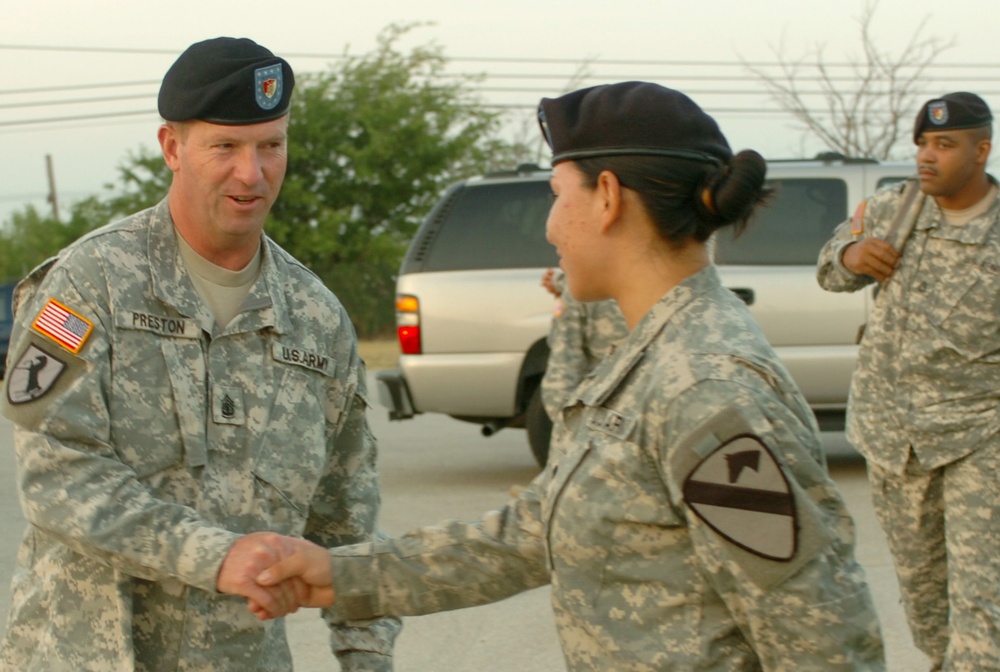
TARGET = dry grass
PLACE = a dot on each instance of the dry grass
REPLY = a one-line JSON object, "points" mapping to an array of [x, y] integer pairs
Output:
{"points": [[380, 354]]}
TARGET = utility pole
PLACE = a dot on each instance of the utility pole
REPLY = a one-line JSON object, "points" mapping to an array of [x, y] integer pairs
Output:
{"points": [[53, 198]]}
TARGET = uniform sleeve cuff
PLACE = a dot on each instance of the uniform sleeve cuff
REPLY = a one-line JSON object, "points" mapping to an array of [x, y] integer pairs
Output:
{"points": [[354, 581], [838, 255], [202, 556]]}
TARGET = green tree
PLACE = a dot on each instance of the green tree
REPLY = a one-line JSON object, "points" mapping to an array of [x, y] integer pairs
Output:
{"points": [[372, 143], [29, 237]]}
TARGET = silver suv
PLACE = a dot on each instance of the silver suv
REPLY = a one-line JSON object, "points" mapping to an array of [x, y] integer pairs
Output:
{"points": [[472, 318]]}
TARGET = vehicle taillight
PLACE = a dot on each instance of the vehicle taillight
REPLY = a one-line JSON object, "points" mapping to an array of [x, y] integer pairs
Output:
{"points": [[408, 324]]}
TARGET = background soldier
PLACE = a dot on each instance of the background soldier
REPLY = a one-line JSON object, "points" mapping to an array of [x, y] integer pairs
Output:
{"points": [[582, 334], [924, 398]]}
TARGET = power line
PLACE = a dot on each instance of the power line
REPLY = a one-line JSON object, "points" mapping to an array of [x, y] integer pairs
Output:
{"points": [[507, 59], [81, 117], [73, 101], [79, 87]]}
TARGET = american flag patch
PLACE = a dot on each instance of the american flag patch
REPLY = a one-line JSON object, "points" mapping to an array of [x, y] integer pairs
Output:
{"points": [[62, 325], [858, 220]]}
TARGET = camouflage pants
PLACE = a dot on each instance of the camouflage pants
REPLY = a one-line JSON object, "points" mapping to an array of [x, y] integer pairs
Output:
{"points": [[943, 529]]}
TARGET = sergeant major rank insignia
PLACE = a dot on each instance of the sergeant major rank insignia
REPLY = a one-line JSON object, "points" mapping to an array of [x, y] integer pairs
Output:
{"points": [[740, 492]]}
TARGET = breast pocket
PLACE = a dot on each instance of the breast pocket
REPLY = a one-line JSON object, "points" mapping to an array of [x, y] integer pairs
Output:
{"points": [[967, 313], [611, 523], [291, 456], [145, 424]]}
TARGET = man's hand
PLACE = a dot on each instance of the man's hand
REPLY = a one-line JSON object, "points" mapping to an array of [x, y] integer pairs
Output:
{"points": [[872, 257], [547, 277], [308, 567], [248, 557]]}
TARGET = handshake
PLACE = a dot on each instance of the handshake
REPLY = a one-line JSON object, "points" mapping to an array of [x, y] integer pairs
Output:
{"points": [[277, 574]]}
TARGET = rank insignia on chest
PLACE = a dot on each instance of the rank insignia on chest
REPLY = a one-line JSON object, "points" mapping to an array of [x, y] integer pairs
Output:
{"points": [[227, 405], [63, 325], [740, 491]]}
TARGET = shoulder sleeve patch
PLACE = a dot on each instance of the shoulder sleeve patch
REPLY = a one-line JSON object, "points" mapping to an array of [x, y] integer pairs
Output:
{"points": [[858, 220], [744, 506], [741, 492], [34, 374], [63, 325]]}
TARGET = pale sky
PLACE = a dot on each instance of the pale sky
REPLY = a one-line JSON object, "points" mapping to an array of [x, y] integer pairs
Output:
{"points": [[529, 49]]}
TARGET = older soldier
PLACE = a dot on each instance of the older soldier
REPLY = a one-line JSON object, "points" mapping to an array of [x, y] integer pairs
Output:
{"points": [[582, 334], [926, 391], [685, 519], [178, 380]]}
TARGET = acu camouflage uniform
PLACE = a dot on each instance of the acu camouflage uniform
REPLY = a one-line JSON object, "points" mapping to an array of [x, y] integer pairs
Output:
{"points": [[582, 335], [923, 410], [142, 457], [685, 519]]}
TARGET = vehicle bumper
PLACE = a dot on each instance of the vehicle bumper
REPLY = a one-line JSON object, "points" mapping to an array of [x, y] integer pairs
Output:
{"points": [[394, 394]]}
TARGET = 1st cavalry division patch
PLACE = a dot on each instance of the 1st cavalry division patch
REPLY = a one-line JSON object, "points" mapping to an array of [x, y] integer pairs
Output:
{"points": [[740, 492], [64, 326]]}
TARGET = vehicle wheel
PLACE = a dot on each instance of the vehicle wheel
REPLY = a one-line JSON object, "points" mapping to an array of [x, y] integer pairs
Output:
{"points": [[539, 427]]}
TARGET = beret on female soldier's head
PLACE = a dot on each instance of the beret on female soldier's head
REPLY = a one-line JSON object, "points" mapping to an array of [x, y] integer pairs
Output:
{"points": [[952, 111], [630, 118], [226, 80]]}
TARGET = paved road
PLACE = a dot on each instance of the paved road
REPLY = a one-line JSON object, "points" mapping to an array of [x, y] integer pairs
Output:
{"points": [[435, 468]]}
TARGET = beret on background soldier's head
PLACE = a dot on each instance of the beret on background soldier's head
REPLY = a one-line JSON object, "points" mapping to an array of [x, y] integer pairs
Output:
{"points": [[226, 80], [630, 118], [952, 111]]}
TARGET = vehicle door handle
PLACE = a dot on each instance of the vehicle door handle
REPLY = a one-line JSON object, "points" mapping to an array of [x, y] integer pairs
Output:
{"points": [[744, 293]]}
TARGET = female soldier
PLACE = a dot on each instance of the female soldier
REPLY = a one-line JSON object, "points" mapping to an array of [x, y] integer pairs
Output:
{"points": [[685, 519]]}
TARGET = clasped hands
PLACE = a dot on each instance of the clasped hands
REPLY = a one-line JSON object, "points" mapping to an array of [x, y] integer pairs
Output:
{"points": [[277, 574]]}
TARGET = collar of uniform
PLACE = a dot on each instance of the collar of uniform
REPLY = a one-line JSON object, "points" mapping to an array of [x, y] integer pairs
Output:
{"points": [[607, 376], [973, 232], [266, 305], [172, 286]]}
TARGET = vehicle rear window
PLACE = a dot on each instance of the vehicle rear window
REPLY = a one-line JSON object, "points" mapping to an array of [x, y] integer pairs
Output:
{"points": [[494, 226], [791, 229]]}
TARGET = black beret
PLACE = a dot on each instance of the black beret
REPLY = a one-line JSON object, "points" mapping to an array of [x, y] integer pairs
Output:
{"points": [[226, 80], [952, 111], [630, 118]]}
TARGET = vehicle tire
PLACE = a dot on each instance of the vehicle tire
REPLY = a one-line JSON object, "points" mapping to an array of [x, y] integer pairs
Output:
{"points": [[539, 427]]}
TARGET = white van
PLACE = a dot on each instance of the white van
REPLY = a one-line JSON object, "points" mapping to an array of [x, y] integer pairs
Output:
{"points": [[472, 317]]}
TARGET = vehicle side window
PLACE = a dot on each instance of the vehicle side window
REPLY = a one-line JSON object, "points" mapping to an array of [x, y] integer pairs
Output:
{"points": [[791, 228], [495, 226]]}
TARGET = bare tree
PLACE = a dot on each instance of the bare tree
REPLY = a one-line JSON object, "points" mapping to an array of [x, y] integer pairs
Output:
{"points": [[864, 113]]}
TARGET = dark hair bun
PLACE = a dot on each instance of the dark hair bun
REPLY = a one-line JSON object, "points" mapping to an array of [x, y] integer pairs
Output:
{"points": [[734, 191]]}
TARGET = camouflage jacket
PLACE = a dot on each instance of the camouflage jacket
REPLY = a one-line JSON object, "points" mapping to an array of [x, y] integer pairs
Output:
{"points": [[928, 370], [582, 334], [147, 440], [685, 518]]}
